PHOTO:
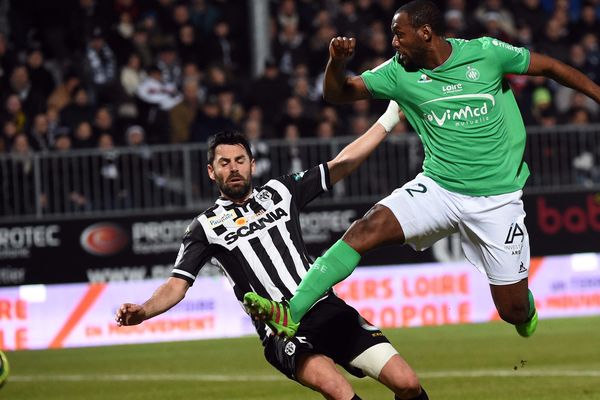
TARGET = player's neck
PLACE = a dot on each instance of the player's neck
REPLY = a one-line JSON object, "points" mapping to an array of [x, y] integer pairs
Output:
{"points": [[241, 200], [439, 53]]}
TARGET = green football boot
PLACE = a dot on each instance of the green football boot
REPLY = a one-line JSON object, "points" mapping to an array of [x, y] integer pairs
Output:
{"points": [[275, 314], [526, 329]]}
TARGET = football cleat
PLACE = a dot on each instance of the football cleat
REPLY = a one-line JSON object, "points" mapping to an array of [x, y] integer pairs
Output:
{"points": [[526, 329], [275, 314]]}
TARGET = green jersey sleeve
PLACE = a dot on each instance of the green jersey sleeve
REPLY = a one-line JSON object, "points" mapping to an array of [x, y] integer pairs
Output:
{"points": [[381, 81], [512, 59]]}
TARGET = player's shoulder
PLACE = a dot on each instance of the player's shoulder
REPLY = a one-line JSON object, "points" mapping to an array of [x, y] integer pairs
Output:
{"points": [[487, 43]]}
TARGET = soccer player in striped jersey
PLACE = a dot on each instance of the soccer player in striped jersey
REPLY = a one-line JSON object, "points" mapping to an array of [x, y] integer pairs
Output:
{"points": [[454, 93], [253, 235]]}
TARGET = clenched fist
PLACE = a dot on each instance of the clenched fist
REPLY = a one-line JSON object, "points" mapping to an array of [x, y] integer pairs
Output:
{"points": [[341, 47]]}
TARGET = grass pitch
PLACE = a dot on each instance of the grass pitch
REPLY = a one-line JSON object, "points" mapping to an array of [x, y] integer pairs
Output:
{"points": [[484, 361]]}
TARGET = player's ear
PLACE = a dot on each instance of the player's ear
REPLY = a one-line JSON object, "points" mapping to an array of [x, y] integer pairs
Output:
{"points": [[252, 166], [211, 172], [426, 33]]}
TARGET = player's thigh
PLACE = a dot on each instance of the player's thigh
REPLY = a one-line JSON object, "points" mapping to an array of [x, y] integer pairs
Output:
{"points": [[425, 211], [494, 237]]}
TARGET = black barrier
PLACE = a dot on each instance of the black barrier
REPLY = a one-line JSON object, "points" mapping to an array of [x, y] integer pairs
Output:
{"points": [[133, 248]]}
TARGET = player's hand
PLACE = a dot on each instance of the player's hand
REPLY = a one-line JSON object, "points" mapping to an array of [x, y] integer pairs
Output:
{"points": [[342, 48], [130, 314]]}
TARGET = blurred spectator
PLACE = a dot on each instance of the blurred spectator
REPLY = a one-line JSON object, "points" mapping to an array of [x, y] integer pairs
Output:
{"points": [[270, 91], [293, 114], [325, 129], [142, 47], [169, 66], [220, 48], [260, 151], [543, 110], [588, 23], [101, 68], [40, 137], [13, 111], [9, 132], [32, 102], [41, 80], [204, 16], [188, 47], [531, 15], [62, 95], [83, 137], [103, 123], [7, 61], [155, 91], [79, 109], [109, 175], [184, 113], [494, 12], [18, 182], [209, 120], [554, 41], [132, 74], [290, 48]]}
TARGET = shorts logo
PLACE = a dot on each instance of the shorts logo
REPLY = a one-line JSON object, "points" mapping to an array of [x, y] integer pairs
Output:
{"points": [[522, 268], [514, 231], [290, 348]]}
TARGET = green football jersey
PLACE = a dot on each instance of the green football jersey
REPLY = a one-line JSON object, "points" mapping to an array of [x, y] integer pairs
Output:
{"points": [[465, 114]]}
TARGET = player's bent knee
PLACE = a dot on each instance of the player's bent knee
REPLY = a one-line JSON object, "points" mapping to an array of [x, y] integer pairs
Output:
{"points": [[373, 229]]}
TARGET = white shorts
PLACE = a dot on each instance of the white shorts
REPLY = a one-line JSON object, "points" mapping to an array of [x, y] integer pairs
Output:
{"points": [[492, 230]]}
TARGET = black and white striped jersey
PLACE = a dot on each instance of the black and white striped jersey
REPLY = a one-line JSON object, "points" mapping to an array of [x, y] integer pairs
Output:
{"points": [[258, 244]]}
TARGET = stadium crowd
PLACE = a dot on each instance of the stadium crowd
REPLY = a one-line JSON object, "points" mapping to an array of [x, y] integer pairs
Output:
{"points": [[82, 74]]}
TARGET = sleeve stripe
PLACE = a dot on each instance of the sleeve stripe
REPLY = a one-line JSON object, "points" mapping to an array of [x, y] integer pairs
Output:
{"points": [[184, 273], [323, 178]]}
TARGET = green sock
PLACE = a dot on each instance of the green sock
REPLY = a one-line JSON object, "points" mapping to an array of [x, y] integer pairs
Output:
{"points": [[332, 267], [531, 306]]}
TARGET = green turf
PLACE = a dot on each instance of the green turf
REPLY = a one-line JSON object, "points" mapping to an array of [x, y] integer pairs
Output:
{"points": [[561, 361]]}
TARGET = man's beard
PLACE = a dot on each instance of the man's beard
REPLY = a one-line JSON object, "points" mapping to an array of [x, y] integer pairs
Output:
{"points": [[235, 193]]}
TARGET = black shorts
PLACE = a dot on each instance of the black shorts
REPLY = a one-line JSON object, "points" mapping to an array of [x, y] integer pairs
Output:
{"points": [[331, 328]]}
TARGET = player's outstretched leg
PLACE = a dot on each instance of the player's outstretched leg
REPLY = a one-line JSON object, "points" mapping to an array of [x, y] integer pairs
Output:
{"points": [[275, 314], [528, 327]]}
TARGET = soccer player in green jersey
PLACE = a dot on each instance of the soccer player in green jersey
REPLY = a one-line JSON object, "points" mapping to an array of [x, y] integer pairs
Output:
{"points": [[454, 93]]}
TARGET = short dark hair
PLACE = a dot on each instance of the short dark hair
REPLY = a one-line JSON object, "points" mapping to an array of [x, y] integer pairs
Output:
{"points": [[424, 12], [226, 137]]}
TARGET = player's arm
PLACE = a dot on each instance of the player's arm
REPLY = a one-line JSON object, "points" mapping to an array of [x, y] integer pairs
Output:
{"points": [[337, 87], [166, 296], [356, 152], [552, 68]]}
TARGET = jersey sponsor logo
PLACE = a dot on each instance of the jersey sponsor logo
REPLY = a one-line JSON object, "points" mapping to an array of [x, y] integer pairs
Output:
{"points": [[267, 219], [452, 88], [467, 115], [499, 43], [424, 79], [103, 239], [221, 218]]}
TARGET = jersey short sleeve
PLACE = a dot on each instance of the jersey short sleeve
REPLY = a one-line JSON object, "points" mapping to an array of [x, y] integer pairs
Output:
{"points": [[306, 185], [381, 81], [194, 252], [512, 59]]}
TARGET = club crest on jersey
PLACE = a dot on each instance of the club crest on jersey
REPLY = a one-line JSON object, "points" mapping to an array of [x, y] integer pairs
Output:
{"points": [[254, 226], [264, 195], [290, 348], [424, 79], [472, 73]]}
